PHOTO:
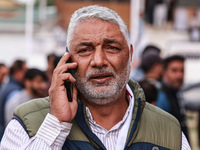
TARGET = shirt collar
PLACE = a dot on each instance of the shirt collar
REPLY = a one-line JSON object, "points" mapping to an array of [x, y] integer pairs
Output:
{"points": [[131, 104]]}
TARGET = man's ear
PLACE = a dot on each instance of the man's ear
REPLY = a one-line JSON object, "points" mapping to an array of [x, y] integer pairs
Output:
{"points": [[131, 50]]}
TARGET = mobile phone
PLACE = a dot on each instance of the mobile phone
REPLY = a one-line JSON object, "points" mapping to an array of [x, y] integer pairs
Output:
{"points": [[67, 83]]}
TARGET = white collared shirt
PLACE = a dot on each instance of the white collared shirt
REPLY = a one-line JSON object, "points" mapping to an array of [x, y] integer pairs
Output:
{"points": [[114, 138]]}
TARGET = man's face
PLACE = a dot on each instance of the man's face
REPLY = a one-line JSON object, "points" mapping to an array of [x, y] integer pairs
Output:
{"points": [[38, 86], [51, 66], [21, 73], [3, 72], [103, 58], [159, 71], [174, 74]]}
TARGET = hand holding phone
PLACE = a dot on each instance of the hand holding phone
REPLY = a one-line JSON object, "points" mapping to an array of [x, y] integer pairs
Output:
{"points": [[60, 107]]}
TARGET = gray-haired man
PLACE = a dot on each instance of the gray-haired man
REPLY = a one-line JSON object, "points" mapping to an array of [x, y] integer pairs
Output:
{"points": [[108, 111]]}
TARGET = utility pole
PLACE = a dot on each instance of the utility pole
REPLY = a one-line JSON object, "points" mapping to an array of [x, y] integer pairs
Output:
{"points": [[134, 23], [29, 25], [42, 10]]}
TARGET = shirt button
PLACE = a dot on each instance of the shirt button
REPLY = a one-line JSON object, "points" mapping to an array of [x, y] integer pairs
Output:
{"points": [[155, 148], [108, 135], [56, 131], [88, 115]]}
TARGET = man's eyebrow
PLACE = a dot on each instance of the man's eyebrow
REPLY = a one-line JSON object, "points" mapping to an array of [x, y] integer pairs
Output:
{"points": [[85, 44], [111, 41]]}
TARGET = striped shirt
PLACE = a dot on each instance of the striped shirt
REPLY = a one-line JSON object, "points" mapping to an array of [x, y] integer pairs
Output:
{"points": [[112, 139], [108, 137], [52, 134]]}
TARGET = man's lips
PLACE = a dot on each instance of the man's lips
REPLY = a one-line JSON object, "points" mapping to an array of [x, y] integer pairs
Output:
{"points": [[100, 77]]}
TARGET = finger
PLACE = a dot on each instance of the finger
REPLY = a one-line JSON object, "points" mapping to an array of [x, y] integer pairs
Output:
{"points": [[64, 76], [65, 67], [64, 59]]}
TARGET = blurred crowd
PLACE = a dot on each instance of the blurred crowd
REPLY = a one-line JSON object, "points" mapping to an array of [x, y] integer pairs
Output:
{"points": [[19, 84], [162, 80]]}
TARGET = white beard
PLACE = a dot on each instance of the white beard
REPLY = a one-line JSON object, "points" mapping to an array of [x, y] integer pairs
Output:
{"points": [[96, 94]]}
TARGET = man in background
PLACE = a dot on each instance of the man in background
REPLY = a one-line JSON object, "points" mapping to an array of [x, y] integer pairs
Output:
{"points": [[168, 99], [150, 91], [149, 65], [153, 67], [4, 71], [35, 82], [50, 65], [15, 82]]}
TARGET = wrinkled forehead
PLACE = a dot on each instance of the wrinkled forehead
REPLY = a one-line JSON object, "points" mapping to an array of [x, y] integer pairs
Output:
{"points": [[92, 21], [97, 31]]}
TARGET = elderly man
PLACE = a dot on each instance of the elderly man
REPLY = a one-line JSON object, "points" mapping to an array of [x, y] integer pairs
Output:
{"points": [[111, 112]]}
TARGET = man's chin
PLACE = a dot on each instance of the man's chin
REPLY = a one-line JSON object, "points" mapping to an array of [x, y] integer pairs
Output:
{"points": [[102, 99], [101, 91]]}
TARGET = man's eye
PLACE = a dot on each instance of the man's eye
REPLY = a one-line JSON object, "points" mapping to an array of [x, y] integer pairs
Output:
{"points": [[113, 48], [84, 50]]}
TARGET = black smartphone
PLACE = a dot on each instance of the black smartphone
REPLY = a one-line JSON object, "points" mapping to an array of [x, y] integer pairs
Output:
{"points": [[67, 83]]}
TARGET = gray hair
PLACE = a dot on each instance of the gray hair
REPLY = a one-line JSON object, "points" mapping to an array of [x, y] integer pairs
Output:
{"points": [[95, 11]]}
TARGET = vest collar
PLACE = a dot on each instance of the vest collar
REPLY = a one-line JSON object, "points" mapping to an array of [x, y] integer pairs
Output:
{"points": [[137, 111]]}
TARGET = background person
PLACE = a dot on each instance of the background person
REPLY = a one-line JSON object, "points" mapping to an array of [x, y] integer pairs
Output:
{"points": [[35, 82], [150, 91], [50, 65], [4, 71], [17, 71], [152, 65], [149, 66], [168, 99]]}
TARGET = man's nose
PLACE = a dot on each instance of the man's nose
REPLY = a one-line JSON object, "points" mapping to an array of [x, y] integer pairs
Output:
{"points": [[99, 58]]}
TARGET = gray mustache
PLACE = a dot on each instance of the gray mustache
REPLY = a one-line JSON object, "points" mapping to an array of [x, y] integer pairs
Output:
{"points": [[100, 71]]}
